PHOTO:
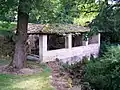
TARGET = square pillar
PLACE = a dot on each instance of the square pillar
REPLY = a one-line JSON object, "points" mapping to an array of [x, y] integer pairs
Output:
{"points": [[68, 41], [95, 39], [85, 42], [99, 38], [42, 46]]}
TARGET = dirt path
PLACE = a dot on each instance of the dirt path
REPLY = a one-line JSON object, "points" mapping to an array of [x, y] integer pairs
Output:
{"points": [[60, 82]]}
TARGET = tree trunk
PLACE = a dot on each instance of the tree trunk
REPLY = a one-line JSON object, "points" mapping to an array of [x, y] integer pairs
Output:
{"points": [[19, 58]]}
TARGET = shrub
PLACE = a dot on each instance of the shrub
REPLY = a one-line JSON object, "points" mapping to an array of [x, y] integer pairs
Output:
{"points": [[6, 48], [6, 43], [104, 73], [104, 47], [97, 74]]}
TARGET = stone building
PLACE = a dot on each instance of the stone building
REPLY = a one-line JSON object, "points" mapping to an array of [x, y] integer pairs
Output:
{"points": [[64, 42]]}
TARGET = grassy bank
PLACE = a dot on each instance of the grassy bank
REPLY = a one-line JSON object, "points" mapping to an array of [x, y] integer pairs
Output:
{"points": [[40, 81]]}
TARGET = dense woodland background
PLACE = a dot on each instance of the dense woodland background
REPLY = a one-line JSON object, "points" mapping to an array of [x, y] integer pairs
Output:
{"points": [[97, 74]]}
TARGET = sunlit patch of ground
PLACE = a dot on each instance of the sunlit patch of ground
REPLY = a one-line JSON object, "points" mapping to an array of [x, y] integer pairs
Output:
{"points": [[39, 81]]}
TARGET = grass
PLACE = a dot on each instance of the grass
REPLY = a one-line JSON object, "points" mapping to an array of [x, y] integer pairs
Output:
{"points": [[39, 81]]}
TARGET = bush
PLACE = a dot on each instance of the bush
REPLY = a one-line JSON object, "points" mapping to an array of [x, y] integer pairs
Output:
{"points": [[104, 48], [6, 48], [104, 73], [97, 74], [6, 44]]}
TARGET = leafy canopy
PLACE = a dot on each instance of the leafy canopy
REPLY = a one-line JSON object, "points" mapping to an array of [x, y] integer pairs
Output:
{"points": [[46, 11]]}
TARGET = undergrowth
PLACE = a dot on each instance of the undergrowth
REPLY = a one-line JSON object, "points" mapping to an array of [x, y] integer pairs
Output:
{"points": [[102, 73]]}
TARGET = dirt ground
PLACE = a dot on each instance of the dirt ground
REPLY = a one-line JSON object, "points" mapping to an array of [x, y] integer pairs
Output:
{"points": [[59, 79], [24, 71], [60, 82]]}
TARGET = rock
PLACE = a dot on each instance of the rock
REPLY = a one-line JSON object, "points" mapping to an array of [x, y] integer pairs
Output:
{"points": [[33, 57]]}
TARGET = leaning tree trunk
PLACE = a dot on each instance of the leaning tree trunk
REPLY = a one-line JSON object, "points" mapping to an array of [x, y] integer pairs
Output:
{"points": [[19, 58]]}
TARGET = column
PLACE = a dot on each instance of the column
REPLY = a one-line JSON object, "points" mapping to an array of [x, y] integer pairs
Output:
{"points": [[84, 42], [42, 46], [99, 38], [68, 41]]}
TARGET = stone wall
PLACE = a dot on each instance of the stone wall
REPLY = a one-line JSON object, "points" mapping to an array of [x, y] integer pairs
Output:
{"points": [[93, 39], [73, 54]]}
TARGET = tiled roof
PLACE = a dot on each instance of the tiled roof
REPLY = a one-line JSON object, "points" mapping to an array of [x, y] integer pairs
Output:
{"points": [[56, 28]]}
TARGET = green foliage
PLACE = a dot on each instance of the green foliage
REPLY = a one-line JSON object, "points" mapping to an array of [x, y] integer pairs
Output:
{"points": [[104, 47], [88, 11], [6, 47], [7, 30], [103, 73], [7, 26], [8, 10], [108, 19], [97, 74], [7, 38], [64, 11], [61, 11]]}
